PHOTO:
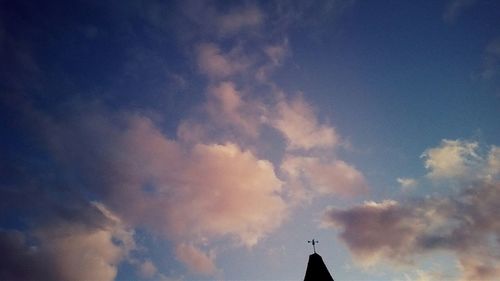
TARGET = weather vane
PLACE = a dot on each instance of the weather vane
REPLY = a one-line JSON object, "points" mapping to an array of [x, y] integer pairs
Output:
{"points": [[313, 242]]}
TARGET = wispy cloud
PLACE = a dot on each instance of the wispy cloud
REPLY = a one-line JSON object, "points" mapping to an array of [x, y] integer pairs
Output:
{"points": [[491, 61], [407, 182], [455, 8], [314, 176], [215, 64], [197, 260], [297, 121], [238, 19]]}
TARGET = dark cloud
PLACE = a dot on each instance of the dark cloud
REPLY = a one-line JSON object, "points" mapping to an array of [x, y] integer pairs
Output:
{"points": [[464, 225], [66, 248], [18, 261]]}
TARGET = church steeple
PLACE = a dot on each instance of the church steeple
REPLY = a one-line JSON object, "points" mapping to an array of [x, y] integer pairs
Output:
{"points": [[316, 268]]}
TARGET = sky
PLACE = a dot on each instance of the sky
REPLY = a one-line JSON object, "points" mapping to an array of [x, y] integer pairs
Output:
{"points": [[210, 140]]}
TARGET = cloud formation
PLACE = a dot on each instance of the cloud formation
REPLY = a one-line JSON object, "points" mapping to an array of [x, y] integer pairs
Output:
{"points": [[298, 123], [209, 182], [461, 224], [452, 159], [197, 260], [323, 177], [67, 250], [216, 64], [187, 193]]}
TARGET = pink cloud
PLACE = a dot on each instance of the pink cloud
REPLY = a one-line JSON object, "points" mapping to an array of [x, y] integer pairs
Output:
{"points": [[226, 106], [147, 269], [216, 64], [212, 182], [296, 120], [196, 260], [334, 177], [196, 192]]}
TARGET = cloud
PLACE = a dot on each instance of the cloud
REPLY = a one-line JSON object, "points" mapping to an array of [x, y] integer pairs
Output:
{"points": [[462, 160], [211, 182], [186, 193], [389, 231], [455, 8], [196, 260], [462, 224], [225, 105], [238, 19], [147, 269], [407, 182], [218, 23], [192, 192], [374, 231], [296, 120], [452, 159], [66, 250], [492, 166], [277, 52], [333, 177], [491, 60], [20, 262], [216, 64], [420, 275]]}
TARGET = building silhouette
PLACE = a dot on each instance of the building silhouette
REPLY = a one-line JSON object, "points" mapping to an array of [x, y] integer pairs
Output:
{"points": [[316, 268]]}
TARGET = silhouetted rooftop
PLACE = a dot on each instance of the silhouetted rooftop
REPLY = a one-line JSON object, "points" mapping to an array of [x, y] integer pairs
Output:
{"points": [[317, 270]]}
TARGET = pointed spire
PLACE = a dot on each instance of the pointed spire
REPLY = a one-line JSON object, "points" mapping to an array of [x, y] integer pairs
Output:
{"points": [[317, 270]]}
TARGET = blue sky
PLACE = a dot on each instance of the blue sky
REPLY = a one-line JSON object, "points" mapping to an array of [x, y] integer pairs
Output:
{"points": [[202, 140]]}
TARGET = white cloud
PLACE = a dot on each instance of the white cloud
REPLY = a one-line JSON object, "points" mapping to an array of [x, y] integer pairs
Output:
{"points": [[462, 161], [407, 182], [452, 159]]}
